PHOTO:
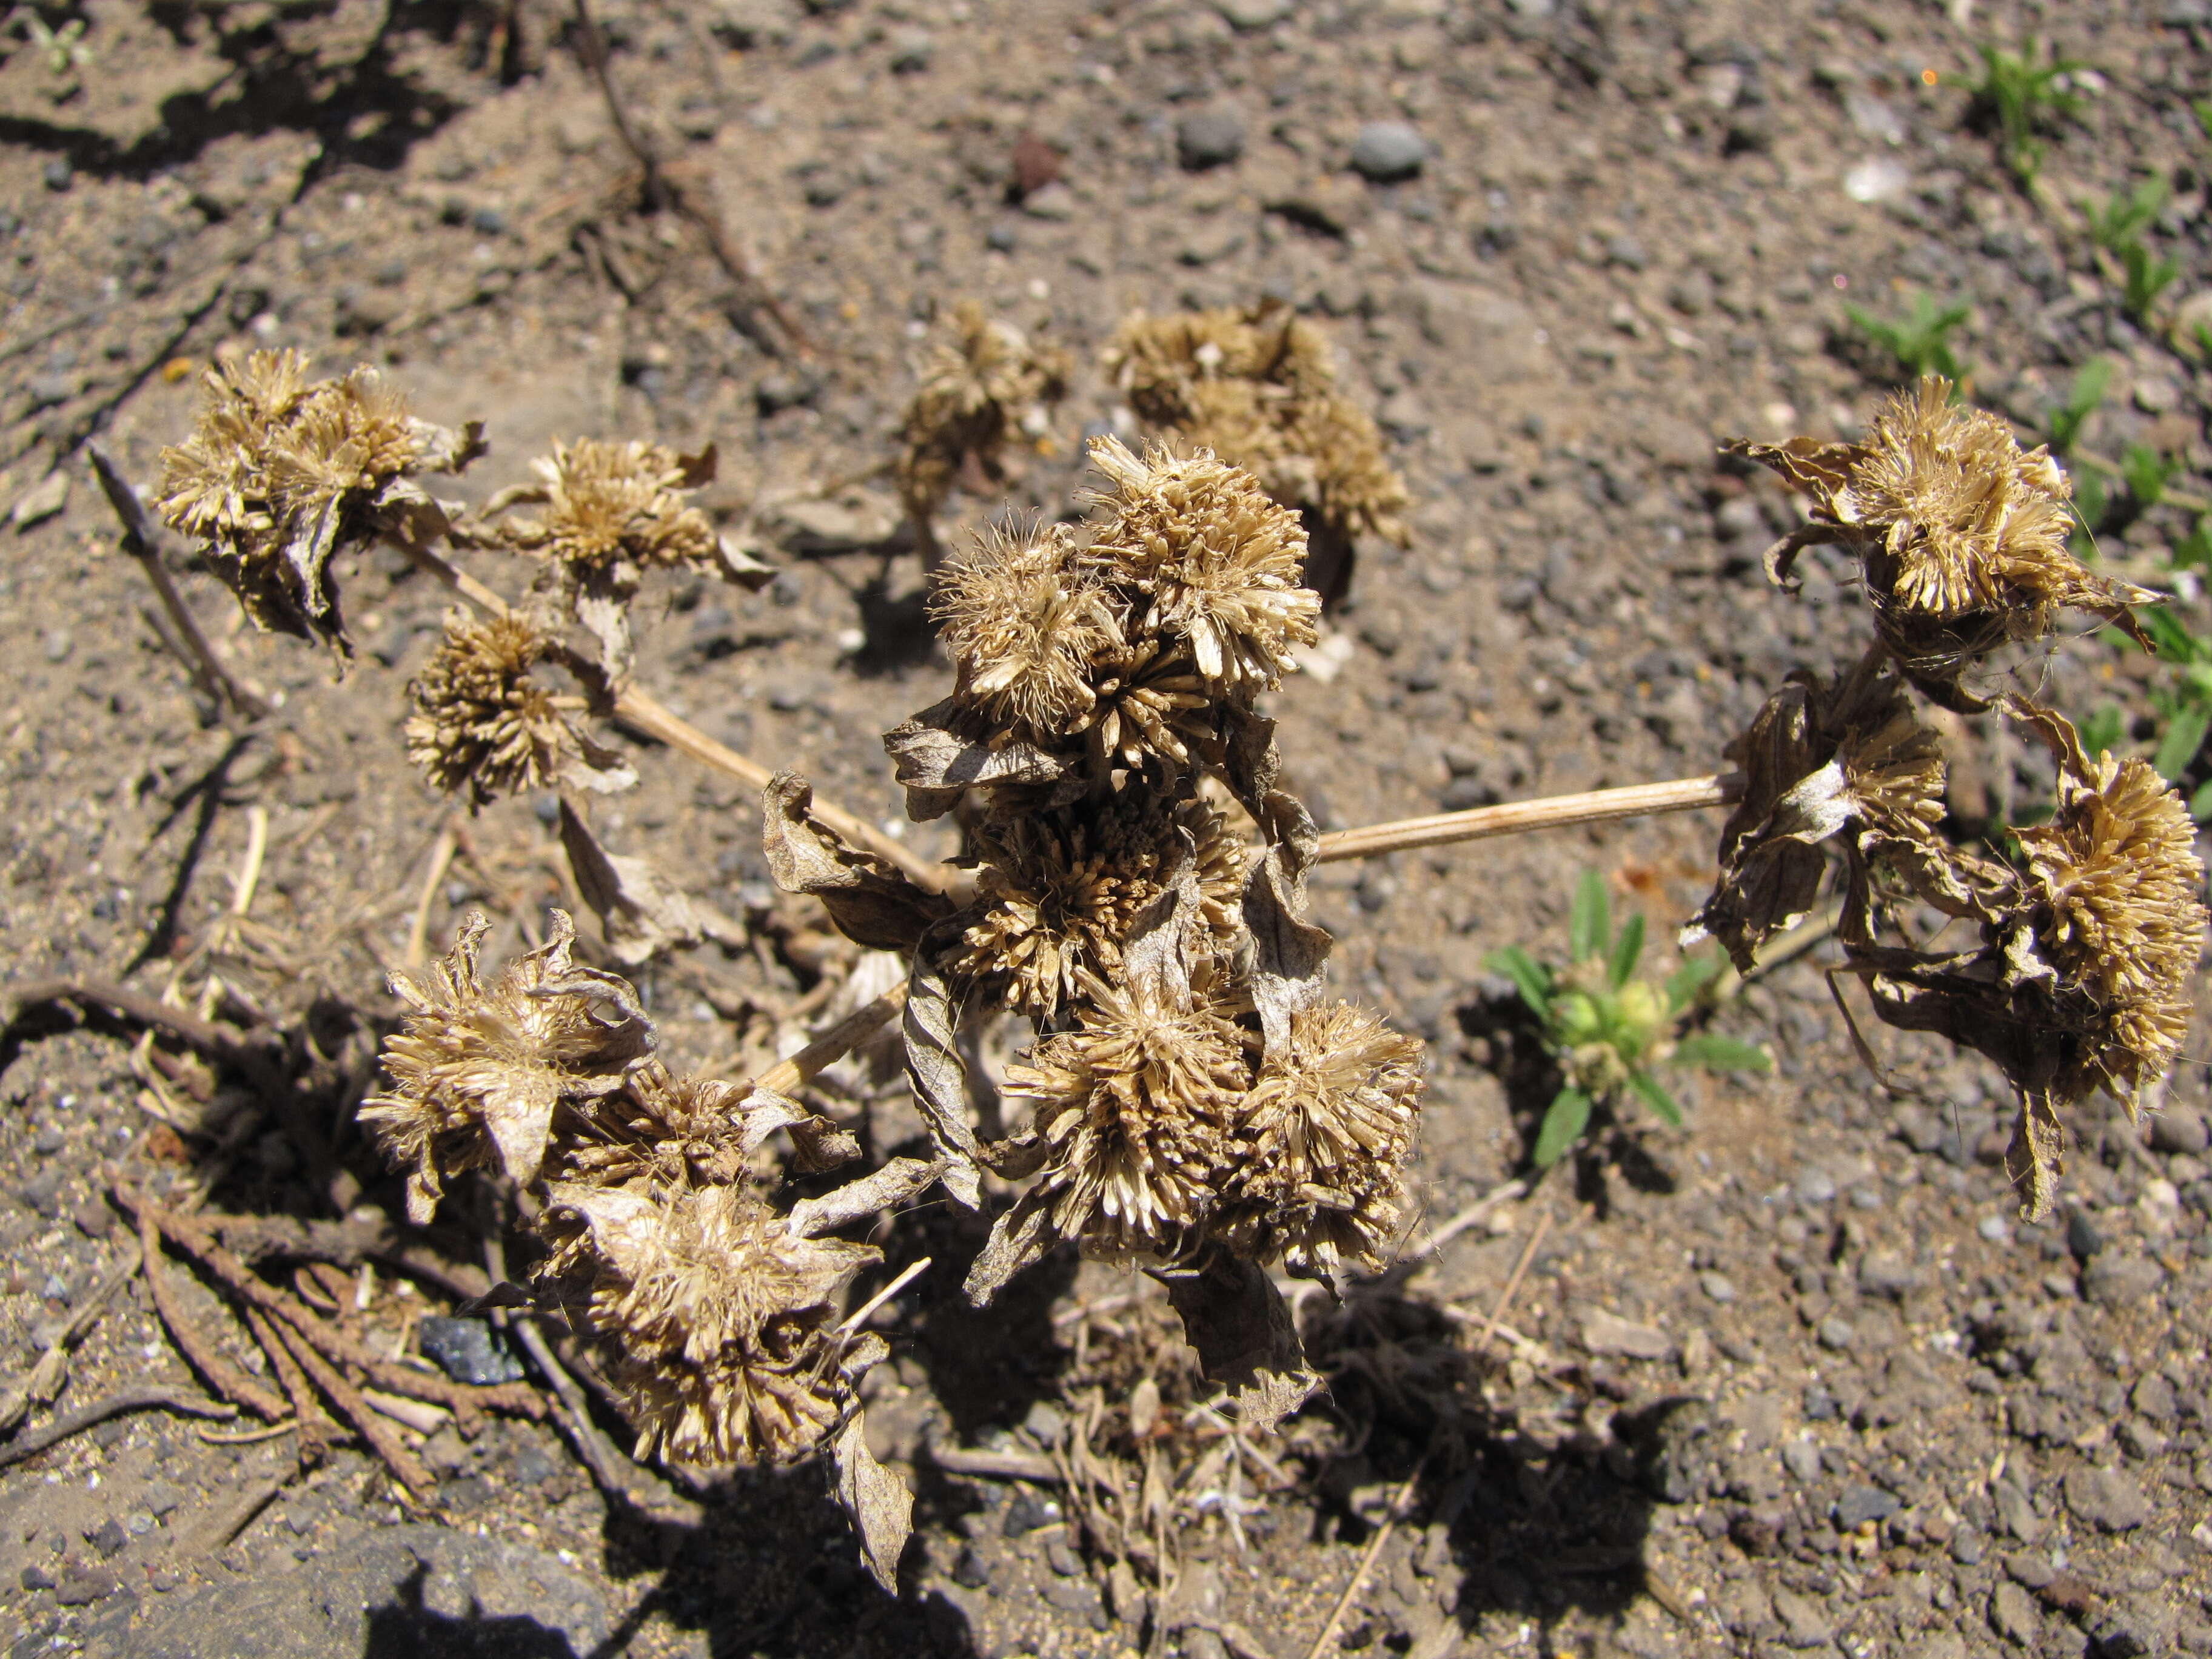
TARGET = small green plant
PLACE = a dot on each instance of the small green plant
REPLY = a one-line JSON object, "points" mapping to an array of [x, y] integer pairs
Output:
{"points": [[2147, 473], [1920, 340], [2186, 705], [2126, 214], [2103, 731], [64, 48], [2064, 423], [1607, 1028], [2144, 277], [2023, 97], [2194, 551]]}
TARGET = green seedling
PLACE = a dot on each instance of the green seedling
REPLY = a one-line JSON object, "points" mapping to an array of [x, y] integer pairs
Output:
{"points": [[2023, 97], [2147, 473], [63, 48], [1608, 1029], [2093, 505], [2194, 551], [2186, 705], [2126, 214], [2064, 424], [2144, 278], [1919, 340]]}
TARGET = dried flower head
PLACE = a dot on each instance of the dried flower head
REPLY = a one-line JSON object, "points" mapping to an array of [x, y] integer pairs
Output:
{"points": [[2117, 888], [1062, 891], [280, 473], [1323, 1142], [717, 1321], [1151, 711], [1133, 1109], [1256, 386], [613, 511], [1961, 535], [1219, 561], [481, 723], [982, 382], [1025, 619], [479, 1071]]}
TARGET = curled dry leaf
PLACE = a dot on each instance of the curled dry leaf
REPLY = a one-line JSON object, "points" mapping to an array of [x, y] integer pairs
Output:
{"points": [[873, 903], [1246, 1338], [876, 1501], [641, 912]]}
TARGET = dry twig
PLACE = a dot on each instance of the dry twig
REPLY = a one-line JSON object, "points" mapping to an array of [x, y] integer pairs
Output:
{"points": [[153, 1397], [1367, 1557], [405, 1467], [44, 1381], [1520, 817], [225, 1378], [1513, 1281]]}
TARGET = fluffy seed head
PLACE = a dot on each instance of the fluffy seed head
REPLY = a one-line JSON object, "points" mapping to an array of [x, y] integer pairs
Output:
{"points": [[1132, 1108], [1322, 1140], [718, 1323], [1025, 618], [1220, 562], [1065, 889], [2118, 887], [479, 1070], [614, 510], [480, 721], [984, 378]]}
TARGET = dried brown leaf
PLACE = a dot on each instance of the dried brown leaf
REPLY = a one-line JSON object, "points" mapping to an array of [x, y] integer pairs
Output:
{"points": [[873, 902], [877, 1501], [1245, 1336], [641, 910]]}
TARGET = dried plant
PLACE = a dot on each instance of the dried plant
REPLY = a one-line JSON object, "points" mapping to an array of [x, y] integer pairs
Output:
{"points": [[281, 473], [1961, 536], [2088, 942], [1257, 387], [612, 512], [985, 382], [481, 723]]}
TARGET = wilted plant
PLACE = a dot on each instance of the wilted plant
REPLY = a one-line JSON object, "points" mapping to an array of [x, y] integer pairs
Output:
{"points": [[1257, 386], [1919, 341], [985, 382], [1608, 1030], [2088, 942]]}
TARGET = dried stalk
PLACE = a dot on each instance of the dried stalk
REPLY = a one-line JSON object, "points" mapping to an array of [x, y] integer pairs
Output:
{"points": [[44, 1381], [1519, 817], [142, 541], [1367, 1558], [1513, 1282], [155, 1397], [405, 1467], [788, 1076], [647, 714], [225, 1378], [316, 1431]]}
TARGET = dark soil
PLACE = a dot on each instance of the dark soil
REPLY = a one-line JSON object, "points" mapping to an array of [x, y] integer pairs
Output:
{"points": [[1853, 1404]]}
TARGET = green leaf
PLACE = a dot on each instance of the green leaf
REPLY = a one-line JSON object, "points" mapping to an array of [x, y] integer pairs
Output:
{"points": [[1688, 982], [1530, 976], [1715, 1053], [1646, 1089], [1627, 948], [2175, 643], [2200, 804], [1590, 921], [1564, 1119], [2182, 740], [2104, 729]]}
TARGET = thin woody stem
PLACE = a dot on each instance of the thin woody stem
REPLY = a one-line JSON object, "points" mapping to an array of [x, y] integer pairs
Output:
{"points": [[645, 714], [1520, 817], [142, 541], [834, 1044]]}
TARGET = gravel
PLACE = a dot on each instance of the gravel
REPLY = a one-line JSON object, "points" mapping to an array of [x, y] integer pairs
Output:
{"points": [[1387, 151]]}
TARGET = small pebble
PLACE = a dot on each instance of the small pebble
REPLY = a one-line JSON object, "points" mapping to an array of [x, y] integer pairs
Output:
{"points": [[1209, 138], [58, 644], [911, 51], [1815, 1187], [1718, 1286], [1862, 1503], [1387, 150], [469, 1350], [1802, 1459], [1838, 1334], [59, 173], [2082, 1237], [1996, 1229]]}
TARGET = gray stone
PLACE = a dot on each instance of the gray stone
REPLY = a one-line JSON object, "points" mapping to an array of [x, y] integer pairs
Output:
{"points": [[1209, 138], [2016, 1513], [58, 644], [1815, 1187], [847, 526], [1253, 14], [2154, 1398], [410, 1588], [469, 1350], [1719, 1287], [1055, 202], [2179, 1130], [1886, 1273], [41, 501], [2113, 1280], [911, 50], [1862, 1503], [85, 1583], [1387, 150], [2083, 1235], [1838, 1334], [2107, 1498], [1936, 1644], [1805, 1622], [1609, 1332], [1802, 1459], [2014, 1614]]}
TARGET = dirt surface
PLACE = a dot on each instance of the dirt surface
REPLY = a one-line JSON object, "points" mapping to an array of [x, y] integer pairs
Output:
{"points": [[1791, 1380]]}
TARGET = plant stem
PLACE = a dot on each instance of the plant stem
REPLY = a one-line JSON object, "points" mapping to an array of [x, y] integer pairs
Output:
{"points": [[833, 1045], [141, 540], [1520, 817]]}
